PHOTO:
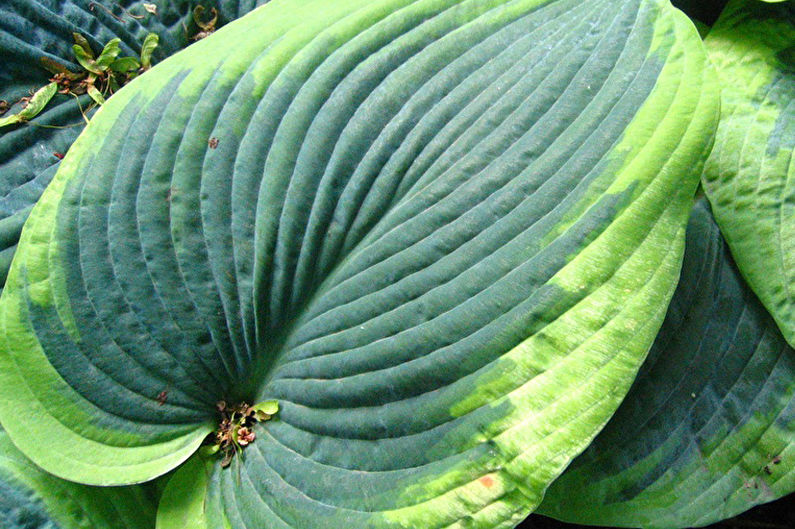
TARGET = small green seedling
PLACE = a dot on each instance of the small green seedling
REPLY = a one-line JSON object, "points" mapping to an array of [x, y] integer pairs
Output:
{"points": [[149, 45], [33, 106], [104, 74]]}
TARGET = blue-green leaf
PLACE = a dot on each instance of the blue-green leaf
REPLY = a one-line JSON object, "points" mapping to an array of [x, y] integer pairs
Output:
{"points": [[441, 234], [750, 176], [707, 430]]}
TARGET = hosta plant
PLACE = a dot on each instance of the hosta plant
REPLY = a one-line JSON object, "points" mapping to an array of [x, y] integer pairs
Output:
{"points": [[37, 39], [381, 264]]}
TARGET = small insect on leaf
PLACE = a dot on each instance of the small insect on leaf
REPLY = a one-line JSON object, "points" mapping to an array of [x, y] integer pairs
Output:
{"points": [[149, 45], [213, 143], [162, 397], [109, 54], [58, 155]]}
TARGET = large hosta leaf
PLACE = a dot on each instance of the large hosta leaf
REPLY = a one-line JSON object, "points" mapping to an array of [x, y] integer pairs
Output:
{"points": [[32, 499], [34, 29], [750, 176], [707, 430], [441, 233]]}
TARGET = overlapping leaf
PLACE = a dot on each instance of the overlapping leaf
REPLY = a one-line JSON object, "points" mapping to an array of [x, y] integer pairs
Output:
{"points": [[32, 499], [750, 176], [441, 233], [34, 29], [706, 431]]}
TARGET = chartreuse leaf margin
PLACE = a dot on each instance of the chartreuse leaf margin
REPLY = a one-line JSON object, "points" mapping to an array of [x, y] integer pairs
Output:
{"points": [[705, 433], [750, 175], [442, 234], [32, 499]]}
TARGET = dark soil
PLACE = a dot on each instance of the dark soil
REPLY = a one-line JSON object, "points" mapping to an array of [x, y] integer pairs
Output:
{"points": [[779, 514]]}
